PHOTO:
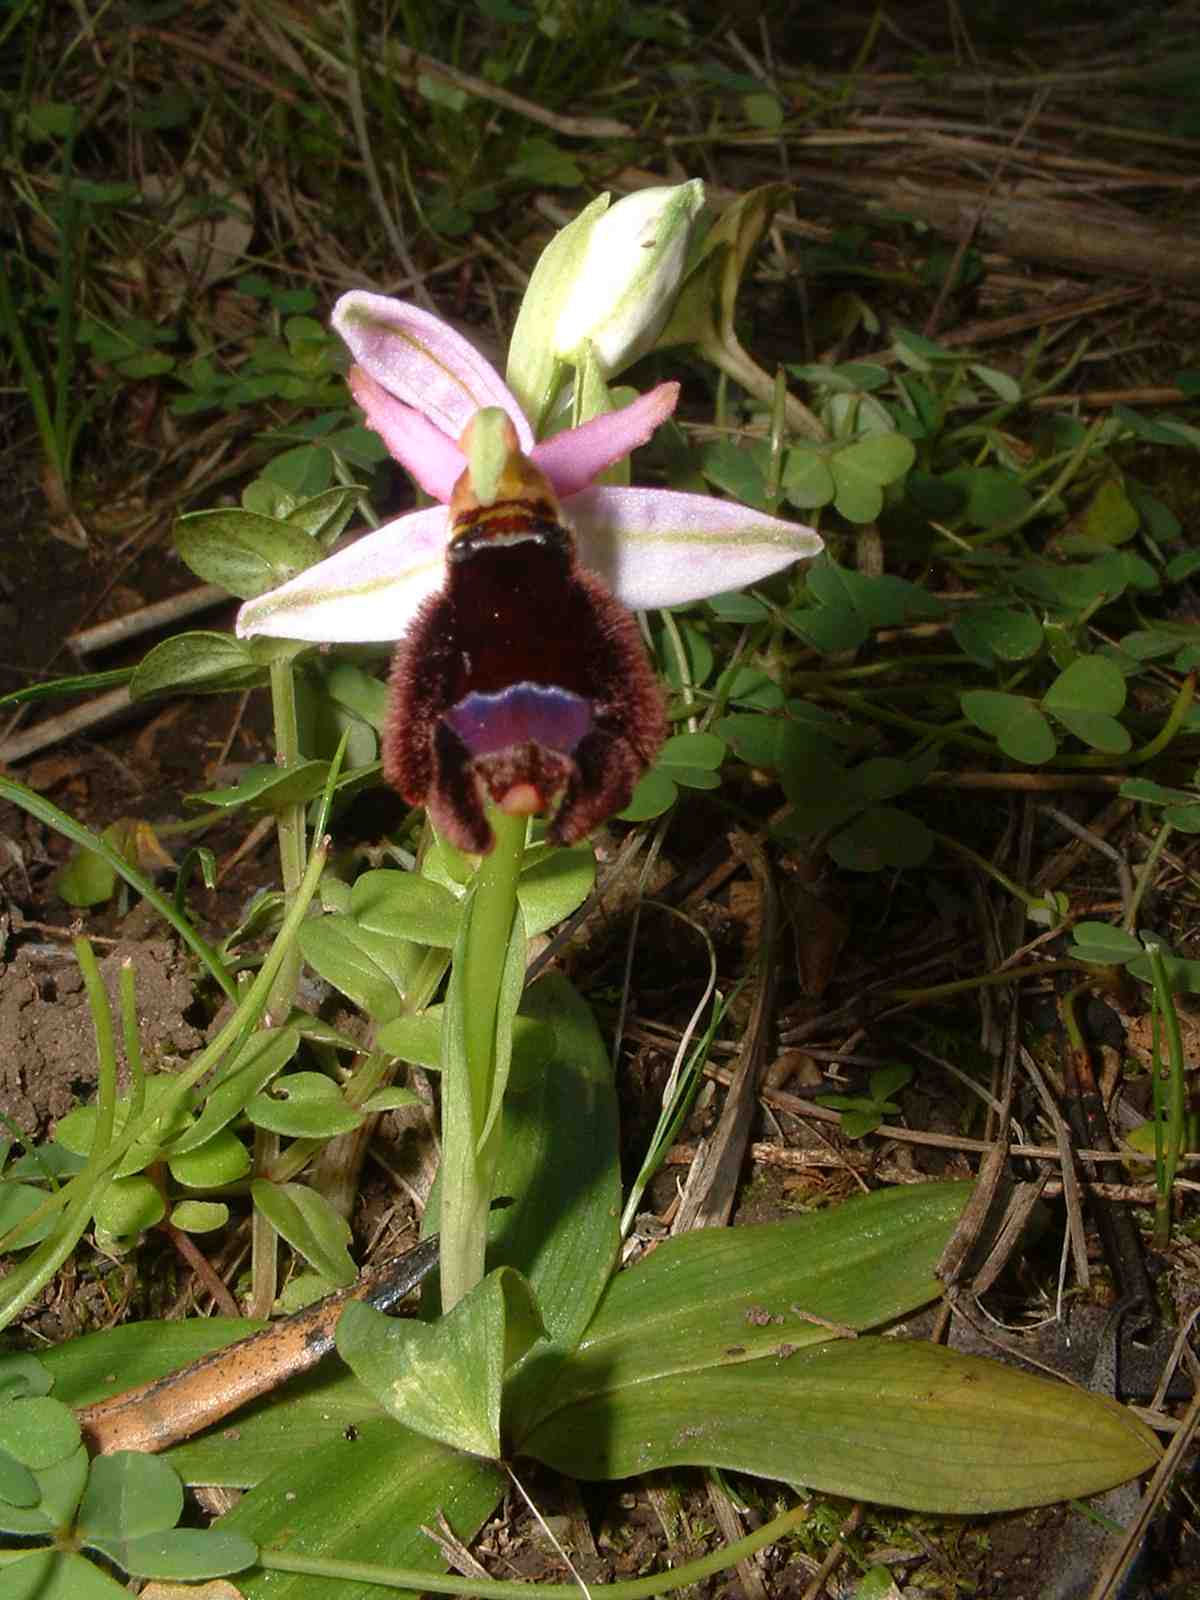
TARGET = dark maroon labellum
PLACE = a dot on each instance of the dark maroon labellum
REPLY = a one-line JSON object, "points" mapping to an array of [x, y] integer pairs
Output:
{"points": [[522, 683]]}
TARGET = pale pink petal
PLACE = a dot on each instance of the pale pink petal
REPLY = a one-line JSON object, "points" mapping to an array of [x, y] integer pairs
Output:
{"points": [[655, 547], [369, 591], [572, 459], [424, 362], [432, 457]]}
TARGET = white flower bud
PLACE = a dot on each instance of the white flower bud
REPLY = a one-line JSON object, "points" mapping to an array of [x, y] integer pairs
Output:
{"points": [[624, 286]]}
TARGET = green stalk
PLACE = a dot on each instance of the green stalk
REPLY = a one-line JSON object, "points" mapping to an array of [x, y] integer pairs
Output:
{"points": [[1169, 1093], [474, 1069], [290, 826]]}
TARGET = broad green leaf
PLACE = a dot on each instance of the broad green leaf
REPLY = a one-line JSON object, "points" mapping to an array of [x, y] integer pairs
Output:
{"points": [[209, 663], [310, 1225], [303, 1105], [404, 905], [553, 886], [735, 1294], [269, 789], [365, 1497], [129, 1494], [559, 1158], [98, 1365], [444, 1379], [889, 1420], [369, 968], [38, 1431], [264, 1053], [191, 1554], [244, 553], [1017, 725]]}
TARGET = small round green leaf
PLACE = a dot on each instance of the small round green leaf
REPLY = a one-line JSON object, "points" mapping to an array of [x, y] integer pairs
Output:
{"points": [[303, 1105], [18, 1201], [417, 1039], [405, 905], [130, 1205], [59, 1575], [22, 1375], [183, 1554], [199, 1216], [18, 1486], [1090, 684], [882, 836], [1017, 725], [38, 1431], [654, 794], [989, 633], [807, 481], [219, 1160], [129, 1494]]}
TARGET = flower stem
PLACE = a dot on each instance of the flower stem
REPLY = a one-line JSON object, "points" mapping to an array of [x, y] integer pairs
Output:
{"points": [[474, 1068], [289, 824]]}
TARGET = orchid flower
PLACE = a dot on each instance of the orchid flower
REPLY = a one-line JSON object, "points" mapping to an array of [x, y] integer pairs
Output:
{"points": [[539, 695]]}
